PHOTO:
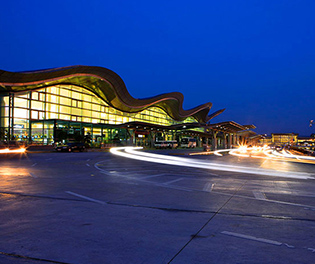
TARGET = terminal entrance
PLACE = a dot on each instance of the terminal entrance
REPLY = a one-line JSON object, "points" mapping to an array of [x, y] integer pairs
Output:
{"points": [[48, 132]]}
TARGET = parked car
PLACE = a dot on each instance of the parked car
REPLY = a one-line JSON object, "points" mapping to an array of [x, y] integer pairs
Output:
{"points": [[188, 143], [70, 146]]}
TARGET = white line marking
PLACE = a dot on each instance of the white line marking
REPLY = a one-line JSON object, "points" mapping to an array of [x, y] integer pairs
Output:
{"points": [[289, 246], [88, 159], [311, 249], [173, 187], [169, 182], [34, 176], [152, 176], [86, 198], [259, 195], [34, 164], [87, 164], [310, 207], [208, 187], [272, 242]]}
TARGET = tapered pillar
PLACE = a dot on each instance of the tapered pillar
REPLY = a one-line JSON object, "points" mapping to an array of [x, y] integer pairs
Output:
{"points": [[214, 141]]}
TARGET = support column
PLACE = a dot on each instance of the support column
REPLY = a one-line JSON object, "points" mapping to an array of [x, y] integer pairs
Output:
{"points": [[214, 141], [224, 141], [11, 117], [234, 139], [229, 141]]}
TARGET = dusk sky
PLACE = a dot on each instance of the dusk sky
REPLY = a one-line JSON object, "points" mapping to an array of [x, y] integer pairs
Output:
{"points": [[254, 58]]}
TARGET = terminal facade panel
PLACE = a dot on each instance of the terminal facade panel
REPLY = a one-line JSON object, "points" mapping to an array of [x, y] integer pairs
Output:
{"points": [[91, 104]]}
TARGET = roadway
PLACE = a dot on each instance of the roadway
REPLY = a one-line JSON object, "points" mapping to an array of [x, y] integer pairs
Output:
{"points": [[96, 207]]}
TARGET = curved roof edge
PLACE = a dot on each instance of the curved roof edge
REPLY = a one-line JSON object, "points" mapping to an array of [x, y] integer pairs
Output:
{"points": [[107, 85]]}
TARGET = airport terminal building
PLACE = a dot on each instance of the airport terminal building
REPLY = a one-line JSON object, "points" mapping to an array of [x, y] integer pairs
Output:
{"points": [[92, 104]]}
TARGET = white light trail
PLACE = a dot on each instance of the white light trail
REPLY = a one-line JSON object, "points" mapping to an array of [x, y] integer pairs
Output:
{"points": [[134, 153]]}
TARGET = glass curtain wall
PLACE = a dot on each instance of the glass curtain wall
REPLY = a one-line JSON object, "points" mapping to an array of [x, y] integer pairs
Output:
{"points": [[29, 115]]}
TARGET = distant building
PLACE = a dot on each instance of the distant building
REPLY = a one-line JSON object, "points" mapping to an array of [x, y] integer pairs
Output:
{"points": [[307, 142], [289, 139], [285, 138]]}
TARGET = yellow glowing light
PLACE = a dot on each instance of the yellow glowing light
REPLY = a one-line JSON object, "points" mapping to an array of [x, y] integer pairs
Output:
{"points": [[20, 150]]}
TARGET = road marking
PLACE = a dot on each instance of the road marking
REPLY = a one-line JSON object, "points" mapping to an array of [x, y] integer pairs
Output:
{"points": [[86, 198], [87, 164], [272, 242], [282, 185], [88, 159], [309, 209], [169, 182], [34, 176], [173, 187], [34, 164], [208, 187], [259, 195], [152, 176], [311, 249], [289, 246]]}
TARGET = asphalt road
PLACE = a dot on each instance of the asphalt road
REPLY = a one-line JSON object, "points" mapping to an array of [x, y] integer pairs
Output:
{"points": [[94, 207]]}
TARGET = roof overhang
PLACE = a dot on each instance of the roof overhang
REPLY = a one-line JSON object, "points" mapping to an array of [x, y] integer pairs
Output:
{"points": [[228, 126], [105, 84]]}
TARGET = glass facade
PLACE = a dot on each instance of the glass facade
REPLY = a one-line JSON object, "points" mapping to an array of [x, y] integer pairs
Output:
{"points": [[54, 113]]}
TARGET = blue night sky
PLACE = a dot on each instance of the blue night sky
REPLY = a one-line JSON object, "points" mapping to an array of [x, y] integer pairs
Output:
{"points": [[254, 58]]}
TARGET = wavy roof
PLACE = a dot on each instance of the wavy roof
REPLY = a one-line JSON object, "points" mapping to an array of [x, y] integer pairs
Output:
{"points": [[105, 84]]}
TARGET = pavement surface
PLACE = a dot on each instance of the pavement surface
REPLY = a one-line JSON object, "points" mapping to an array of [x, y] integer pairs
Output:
{"points": [[95, 207]]}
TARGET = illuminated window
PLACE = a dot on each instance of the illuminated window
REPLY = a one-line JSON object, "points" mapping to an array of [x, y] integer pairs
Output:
{"points": [[64, 117], [65, 101], [86, 113], [34, 115], [86, 119], [76, 111], [21, 113], [52, 107], [53, 90], [35, 95], [52, 116], [52, 98], [19, 102], [37, 105], [76, 95], [87, 105], [65, 92], [41, 96], [65, 109], [5, 101]]}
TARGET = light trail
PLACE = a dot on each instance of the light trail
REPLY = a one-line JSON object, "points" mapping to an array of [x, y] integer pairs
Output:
{"points": [[7, 150], [265, 153], [134, 153]]}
